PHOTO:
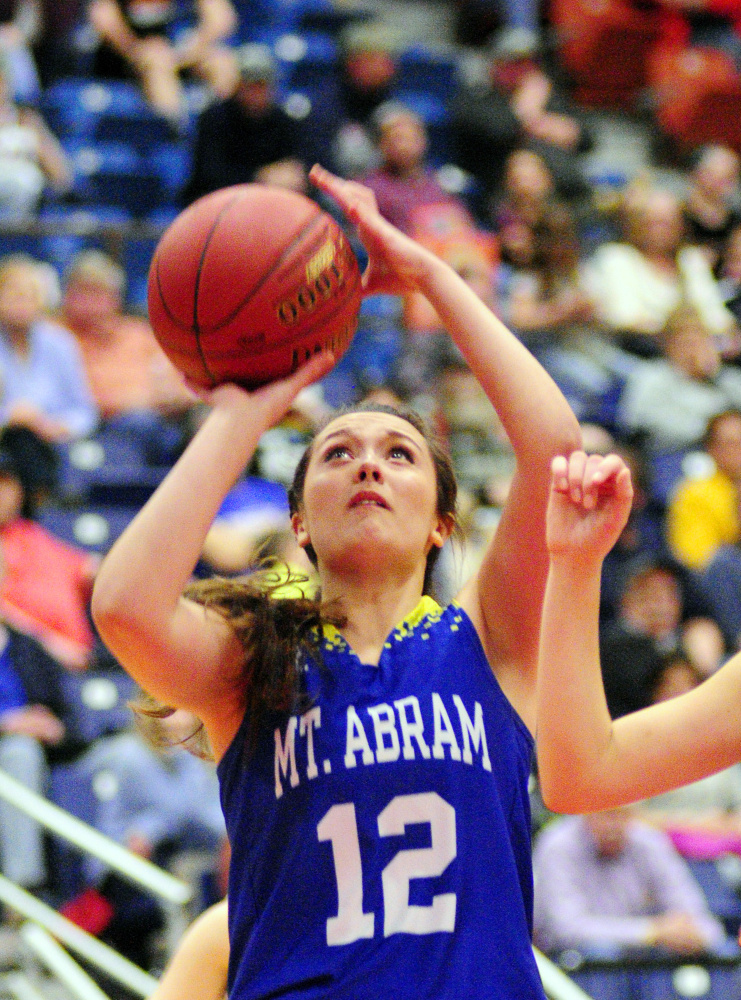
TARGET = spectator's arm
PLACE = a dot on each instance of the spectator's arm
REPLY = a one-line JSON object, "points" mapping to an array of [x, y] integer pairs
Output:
{"points": [[108, 21], [52, 157]]}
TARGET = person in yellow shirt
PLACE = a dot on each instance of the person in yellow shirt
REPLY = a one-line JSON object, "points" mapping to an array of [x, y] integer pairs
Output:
{"points": [[703, 513]]}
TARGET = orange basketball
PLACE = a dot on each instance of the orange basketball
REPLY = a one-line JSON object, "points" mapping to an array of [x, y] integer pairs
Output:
{"points": [[248, 282]]}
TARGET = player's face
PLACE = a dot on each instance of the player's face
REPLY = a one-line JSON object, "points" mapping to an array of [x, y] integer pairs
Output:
{"points": [[370, 496]]}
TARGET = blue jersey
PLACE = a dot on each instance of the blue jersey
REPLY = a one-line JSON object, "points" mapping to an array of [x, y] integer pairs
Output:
{"points": [[381, 839]]}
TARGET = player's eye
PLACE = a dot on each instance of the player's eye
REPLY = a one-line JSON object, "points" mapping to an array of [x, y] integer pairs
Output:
{"points": [[336, 451], [400, 451]]}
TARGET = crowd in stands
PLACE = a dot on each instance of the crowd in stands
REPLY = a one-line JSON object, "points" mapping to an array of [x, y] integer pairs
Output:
{"points": [[117, 114]]}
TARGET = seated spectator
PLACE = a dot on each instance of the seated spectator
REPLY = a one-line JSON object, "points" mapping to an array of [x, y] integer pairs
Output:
{"points": [[703, 512], [31, 159], [37, 730], [655, 618], [711, 208], [46, 585], [368, 71], [247, 132], [527, 189], [57, 49], [671, 399], [608, 883], [161, 801], [403, 183], [21, 23], [518, 104], [639, 282], [702, 818], [135, 42], [44, 385], [126, 369]]}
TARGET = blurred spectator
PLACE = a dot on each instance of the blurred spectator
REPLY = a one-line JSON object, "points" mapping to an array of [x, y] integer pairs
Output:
{"points": [[714, 24], [550, 308], [703, 512], [44, 386], [37, 730], [157, 802], [403, 183], [652, 622], [527, 189], [729, 272], [46, 586], [58, 49], [637, 283], [702, 818], [608, 883], [671, 399], [127, 370], [711, 208], [369, 66], [135, 41], [247, 132], [31, 158], [519, 104], [21, 22]]}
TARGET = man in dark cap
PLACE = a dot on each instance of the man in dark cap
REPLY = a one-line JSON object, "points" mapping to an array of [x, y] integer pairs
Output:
{"points": [[248, 137]]}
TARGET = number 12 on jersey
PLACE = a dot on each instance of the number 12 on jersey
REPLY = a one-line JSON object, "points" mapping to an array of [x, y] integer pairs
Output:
{"points": [[339, 827]]}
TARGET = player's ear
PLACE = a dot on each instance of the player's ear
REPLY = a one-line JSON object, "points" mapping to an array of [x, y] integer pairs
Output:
{"points": [[299, 530], [442, 530]]}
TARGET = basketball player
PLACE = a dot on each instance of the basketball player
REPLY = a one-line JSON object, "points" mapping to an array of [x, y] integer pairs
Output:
{"points": [[198, 969], [374, 751], [587, 762]]}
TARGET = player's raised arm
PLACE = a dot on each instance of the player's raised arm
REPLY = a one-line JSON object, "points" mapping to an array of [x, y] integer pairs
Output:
{"points": [[176, 650], [586, 762], [505, 598]]}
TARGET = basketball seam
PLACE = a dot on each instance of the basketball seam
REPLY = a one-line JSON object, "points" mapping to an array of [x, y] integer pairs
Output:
{"points": [[196, 326], [268, 273]]}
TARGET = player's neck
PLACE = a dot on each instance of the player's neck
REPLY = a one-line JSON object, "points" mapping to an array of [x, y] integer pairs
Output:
{"points": [[373, 608]]}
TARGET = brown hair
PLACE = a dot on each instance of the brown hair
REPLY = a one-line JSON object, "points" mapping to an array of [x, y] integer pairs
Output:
{"points": [[275, 630]]}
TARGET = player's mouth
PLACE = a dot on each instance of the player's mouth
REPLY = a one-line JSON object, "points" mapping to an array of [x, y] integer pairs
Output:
{"points": [[367, 498]]}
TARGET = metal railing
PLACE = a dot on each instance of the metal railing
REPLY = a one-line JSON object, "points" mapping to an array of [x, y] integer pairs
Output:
{"points": [[556, 983], [173, 893]]}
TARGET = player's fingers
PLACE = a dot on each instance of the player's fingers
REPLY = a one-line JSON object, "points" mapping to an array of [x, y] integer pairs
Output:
{"points": [[308, 373], [560, 474], [576, 466], [591, 481]]}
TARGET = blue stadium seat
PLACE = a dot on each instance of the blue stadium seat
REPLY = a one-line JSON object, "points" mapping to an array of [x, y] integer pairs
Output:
{"points": [[93, 528], [172, 162], [18, 243], [99, 702], [111, 467], [71, 106], [428, 71], [115, 174], [126, 117], [308, 61]]}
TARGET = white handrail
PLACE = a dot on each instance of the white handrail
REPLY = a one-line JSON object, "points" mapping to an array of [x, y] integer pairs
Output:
{"points": [[84, 944], [58, 961], [19, 986], [154, 879], [556, 983]]}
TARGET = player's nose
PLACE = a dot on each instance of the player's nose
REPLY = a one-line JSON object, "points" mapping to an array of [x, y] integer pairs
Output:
{"points": [[369, 471]]}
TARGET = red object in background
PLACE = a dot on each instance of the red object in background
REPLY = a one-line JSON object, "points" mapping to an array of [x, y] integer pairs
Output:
{"points": [[604, 46], [697, 95]]}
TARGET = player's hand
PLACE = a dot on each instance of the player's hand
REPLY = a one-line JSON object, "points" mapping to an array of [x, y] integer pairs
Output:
{"points": [[267, 405], [396, 263], [589, 505]]}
